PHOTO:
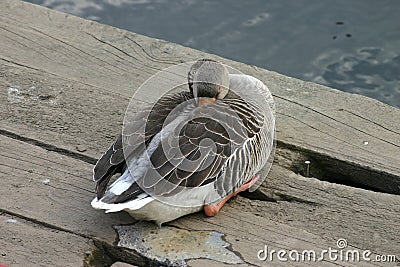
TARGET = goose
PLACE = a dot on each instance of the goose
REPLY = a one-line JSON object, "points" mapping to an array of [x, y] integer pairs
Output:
{"points": [[192, 150]]}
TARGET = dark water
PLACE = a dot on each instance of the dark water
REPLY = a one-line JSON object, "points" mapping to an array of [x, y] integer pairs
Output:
{"points": [[351, 45]]}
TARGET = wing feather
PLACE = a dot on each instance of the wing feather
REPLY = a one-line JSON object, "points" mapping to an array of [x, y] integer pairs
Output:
{"points": [[225, 142], [131, 140], [195, 162]]}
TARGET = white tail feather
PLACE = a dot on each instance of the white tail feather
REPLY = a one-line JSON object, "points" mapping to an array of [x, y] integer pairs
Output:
{"points": [[141, 200]]}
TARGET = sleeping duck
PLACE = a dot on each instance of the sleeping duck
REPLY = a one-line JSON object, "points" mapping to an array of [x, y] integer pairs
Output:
{"points": [[192, 150]]}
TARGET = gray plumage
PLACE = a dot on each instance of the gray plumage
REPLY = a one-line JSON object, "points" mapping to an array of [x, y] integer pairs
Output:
{"points": [[182, 155]]}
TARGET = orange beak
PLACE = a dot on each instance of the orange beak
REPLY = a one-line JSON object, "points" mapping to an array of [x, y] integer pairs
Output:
{"points": [[206, 100]]}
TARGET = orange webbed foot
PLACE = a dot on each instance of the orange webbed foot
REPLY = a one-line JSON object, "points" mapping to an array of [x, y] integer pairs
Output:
{"points": [[212, 210]]}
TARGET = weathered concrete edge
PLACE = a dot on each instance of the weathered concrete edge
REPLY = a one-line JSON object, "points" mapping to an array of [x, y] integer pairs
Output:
{"points": [[325, 167]]}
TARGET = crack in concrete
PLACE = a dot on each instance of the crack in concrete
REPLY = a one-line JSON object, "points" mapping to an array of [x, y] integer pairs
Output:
{"points": [[49, 147], [308, 163]]}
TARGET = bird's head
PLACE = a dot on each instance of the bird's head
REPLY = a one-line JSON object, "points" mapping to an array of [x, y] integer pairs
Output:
{"points": [[208, 81]]}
